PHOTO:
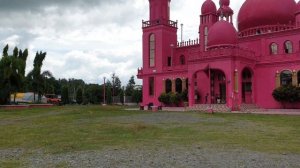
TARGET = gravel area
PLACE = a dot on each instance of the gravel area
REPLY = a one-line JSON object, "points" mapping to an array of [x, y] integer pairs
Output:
{"points": [[167, 158]]}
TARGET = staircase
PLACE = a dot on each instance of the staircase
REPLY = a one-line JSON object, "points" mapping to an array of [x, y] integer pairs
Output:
{"points": [[250, 108], [205, 108]]}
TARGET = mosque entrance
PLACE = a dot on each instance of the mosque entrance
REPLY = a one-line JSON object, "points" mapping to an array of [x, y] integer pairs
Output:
{"points": [[218, 87], [247, 86]]}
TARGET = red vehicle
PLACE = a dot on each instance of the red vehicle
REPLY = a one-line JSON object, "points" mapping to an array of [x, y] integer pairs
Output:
{"points": [[53, 99]]}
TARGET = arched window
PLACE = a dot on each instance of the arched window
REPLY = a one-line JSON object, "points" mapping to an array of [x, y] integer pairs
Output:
{"points": [[182, 60], [152, 50], [288, 47], [205, 37], [178, 84], [286, 78], [273, 49], [151, 86], [168, 86]]}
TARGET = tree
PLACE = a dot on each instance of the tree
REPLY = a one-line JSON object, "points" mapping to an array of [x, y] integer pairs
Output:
{"points": [[130, 86], [108, 95], [137, 95], [65, 95], [12, 73], [79, 96], [36, 77]]}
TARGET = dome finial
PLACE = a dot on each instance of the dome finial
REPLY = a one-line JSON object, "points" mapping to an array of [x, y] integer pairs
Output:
{"points": [[224, 3]]}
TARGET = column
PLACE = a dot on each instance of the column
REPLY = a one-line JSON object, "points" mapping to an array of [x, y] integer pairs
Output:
{"points": [[294, 78], [183, 84], [173, 86], [277, 78], [236, 81], [164, 86]]}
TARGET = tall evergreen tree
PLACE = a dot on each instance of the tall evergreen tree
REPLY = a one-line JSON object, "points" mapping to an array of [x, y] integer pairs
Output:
{"points": [[130, 86]]}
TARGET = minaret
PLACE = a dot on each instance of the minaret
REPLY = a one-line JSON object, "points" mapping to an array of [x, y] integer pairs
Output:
{"points": [[297, 14], [159, 45], [159, 9], [208, 17], [159, 35], [225, 12]]}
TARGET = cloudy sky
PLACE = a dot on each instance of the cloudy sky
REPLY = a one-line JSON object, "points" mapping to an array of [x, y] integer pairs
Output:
{"points": [[88, 39]]}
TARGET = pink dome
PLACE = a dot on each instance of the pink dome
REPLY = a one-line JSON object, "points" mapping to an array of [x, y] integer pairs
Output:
{"points": [[255, 13], [208, 7], [224, 2], [222, 33]]}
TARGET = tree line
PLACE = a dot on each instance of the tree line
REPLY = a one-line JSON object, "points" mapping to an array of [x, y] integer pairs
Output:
{"points": [[13, 80]]}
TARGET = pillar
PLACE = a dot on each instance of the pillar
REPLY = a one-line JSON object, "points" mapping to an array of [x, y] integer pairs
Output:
{"points": [[183, 84], [173, 86], [277, 78], [164, 86], [236, 81], [294, 78]]}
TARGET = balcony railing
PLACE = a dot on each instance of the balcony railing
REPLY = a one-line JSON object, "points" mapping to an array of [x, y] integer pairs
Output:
{"points": [[265, 30], [222, 52], [159, 22]]}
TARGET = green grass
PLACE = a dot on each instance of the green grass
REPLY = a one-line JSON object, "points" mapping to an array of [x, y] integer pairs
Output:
{"points": [[77, 128]]}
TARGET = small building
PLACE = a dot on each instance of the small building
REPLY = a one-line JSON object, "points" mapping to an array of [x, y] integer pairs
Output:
{"points": [[224, 64]]}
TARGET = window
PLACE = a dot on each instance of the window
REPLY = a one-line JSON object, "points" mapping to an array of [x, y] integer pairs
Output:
{"points": [[286, 78], [288, 47], [182, 60], [151, 86], [169, 61], [152, 50], [168, 86], [274, 49], [205, 37], [178, 85]]}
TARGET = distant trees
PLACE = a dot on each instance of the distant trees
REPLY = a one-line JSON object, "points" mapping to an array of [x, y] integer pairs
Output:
{"points": [[12, 73], [14, 80]]}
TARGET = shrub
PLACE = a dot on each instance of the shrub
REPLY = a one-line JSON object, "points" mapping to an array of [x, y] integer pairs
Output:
{"points": [[289, 94], [175, 98], [164, 98]]}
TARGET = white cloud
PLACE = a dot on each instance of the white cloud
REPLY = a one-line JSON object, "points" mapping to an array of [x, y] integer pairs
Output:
{"points": [[89, 42]]}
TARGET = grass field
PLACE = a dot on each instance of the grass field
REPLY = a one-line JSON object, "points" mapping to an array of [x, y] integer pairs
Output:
{"points": [[85, 128]]}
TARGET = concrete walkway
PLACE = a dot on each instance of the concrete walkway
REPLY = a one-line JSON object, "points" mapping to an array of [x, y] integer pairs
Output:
{"points": [[268, 111]]}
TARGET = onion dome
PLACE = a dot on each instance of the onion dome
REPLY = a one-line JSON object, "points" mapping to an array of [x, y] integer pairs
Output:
{"points": [[254, 13], [208, 7], [222, 33], [224, 2]]}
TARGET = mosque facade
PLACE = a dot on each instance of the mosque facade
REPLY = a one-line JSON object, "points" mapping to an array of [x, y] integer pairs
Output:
{"points": [[224, 65]]}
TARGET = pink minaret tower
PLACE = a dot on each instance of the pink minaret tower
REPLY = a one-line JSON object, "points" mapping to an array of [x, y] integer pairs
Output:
{"points": [[207, 18]]}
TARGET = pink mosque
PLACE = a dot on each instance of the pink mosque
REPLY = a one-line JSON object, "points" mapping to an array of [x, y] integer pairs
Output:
{"points": [[223, 65]]}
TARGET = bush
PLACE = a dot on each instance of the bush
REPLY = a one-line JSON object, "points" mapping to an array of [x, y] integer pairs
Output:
{"points": [[170, 98], [289, 94], [175, 98], [164, 98]]}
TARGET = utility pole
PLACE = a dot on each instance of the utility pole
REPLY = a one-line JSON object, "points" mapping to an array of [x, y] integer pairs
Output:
{"points": [[181, 32]]}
